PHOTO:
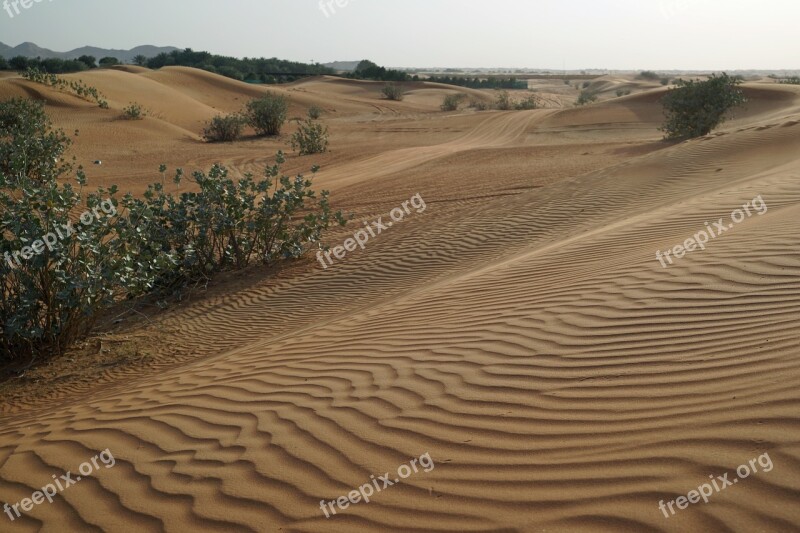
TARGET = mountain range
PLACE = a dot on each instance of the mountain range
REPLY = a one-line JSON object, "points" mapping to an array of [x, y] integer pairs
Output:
{"points": [[125, 56]]}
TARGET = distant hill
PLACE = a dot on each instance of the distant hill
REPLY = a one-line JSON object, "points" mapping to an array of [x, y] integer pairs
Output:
{"points": [[126, 56], [345, 66]]}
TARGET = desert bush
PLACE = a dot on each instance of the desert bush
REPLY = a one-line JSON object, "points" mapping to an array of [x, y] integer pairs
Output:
{"points": [[479, 105], [58, 275], [452, 101], [648, 75], [392, 91], [310, 138], [267, 114], [529, 102], [623, 92], [567, 82], [134, 111], [224, 128], [664, 81], [314, 112], [29, 147], [694, 108], [794, 80], [503, 101], [586, 84], [586, 97]]}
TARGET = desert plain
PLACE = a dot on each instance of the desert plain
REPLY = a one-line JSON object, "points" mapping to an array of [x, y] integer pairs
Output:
{"points": [[520, 330]]}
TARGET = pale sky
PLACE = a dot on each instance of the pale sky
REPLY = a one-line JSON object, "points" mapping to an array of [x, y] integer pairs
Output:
{"points": [[576, 34]]}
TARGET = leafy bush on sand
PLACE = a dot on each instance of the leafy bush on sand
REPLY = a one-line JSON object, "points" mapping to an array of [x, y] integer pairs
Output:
{"points": [[452, 101], [224, 128], [267, 114], [695, 108], [392, 91], [310, 138], [58, 274]]}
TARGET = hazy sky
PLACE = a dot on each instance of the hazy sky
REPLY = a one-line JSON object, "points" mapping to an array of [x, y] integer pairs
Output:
{"points": [[613, 34]]}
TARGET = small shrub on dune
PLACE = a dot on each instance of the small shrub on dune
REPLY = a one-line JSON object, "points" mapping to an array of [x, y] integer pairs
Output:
{"points": [[503, 101], [394, 92], [695, 108], [451, 102], [224, 128], [529, 102], [314, 112], [586, 97], [134, 111], [479, 105], [648, 75], [623, 92], [310, 138], [267, 114]]}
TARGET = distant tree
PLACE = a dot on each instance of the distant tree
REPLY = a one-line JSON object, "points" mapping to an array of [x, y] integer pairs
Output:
{"points": [[230, 72], [365, 65], [694, 108], [109, 62], [19, 63], [89, 61], [648, 75], [140, 60], [3, 63]]}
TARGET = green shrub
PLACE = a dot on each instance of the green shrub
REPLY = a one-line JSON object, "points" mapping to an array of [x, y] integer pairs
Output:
{"points": [[503, 101], [586, 84], [623, 92], [392, 91], [794, 80], [648, 75], [529, 102], [314, 112], [224, 128], [586, 97], [452, 101], [267, 114], [310, 138], [664, 81], [479, 105], [134, 111], [58, 275], [694, 108]]}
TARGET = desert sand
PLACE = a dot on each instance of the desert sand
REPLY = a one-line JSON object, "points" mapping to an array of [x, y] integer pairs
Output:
{"points": [[520, 330]]}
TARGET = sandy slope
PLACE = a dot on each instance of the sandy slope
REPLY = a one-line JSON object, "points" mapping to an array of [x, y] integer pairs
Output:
{"points": [[520, 330]]}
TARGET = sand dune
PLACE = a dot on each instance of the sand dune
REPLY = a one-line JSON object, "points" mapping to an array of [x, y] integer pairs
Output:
{"points": [[520, 330]]}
